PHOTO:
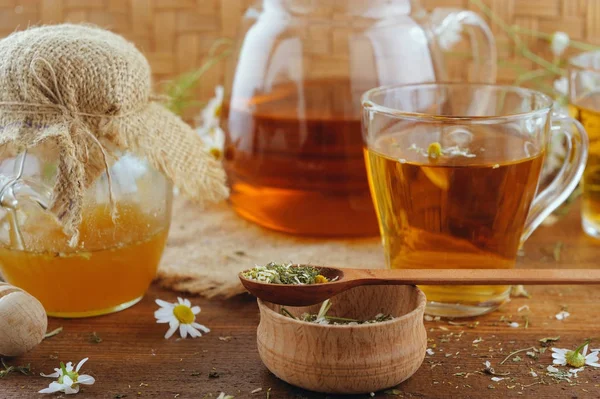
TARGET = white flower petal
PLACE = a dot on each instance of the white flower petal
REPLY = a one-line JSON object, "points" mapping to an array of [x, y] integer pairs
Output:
{"points": [[71, 390], [187, 303], [52, 388], [69, 367], [558, 355], [164, 304], [67, 381], [496, 379], [552, 369], [575, 371], [593, 364], [593, 356], [560, 362], [558, 350], [180, 300], [196, 309], [81, 363], [562, 315], [86, 379], [164, 314], [201, 327], [183, 331], [171, 331], [193, 332]]}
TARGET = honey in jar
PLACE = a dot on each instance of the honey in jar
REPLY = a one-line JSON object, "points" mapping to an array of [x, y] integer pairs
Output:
{"points": [[112, 269]]}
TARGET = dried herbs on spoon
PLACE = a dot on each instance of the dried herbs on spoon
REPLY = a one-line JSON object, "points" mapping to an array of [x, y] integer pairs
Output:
{"points": [[286, 273]]}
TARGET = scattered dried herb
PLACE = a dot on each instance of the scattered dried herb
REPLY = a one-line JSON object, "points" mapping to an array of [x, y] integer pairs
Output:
{"points": [[195, 374], [515, 352], [517, 291], [94, 338], [53, 333], [120, 396], [395, 392], [547, 341], [213, 374], [557, 251], [489, 370], [279, 273], [25, 370], [225, 339]]}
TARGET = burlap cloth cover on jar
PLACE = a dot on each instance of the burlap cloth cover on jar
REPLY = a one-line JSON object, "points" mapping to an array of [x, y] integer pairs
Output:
{"points": [[88, 90]]}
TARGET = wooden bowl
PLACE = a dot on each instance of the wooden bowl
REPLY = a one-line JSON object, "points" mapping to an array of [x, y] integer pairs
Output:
{"points": [[347, 359]]}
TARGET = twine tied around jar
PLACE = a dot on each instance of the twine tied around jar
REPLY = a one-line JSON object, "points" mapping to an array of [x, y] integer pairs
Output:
{"points": [[89, 91]]}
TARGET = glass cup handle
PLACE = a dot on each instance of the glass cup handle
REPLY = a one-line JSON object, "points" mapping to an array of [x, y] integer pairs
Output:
{"points": [[448, 25], [567, 178]]}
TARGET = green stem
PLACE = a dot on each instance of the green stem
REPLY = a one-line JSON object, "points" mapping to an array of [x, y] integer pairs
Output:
{"points": [[580, 347], [519, 45], [548, 36]]}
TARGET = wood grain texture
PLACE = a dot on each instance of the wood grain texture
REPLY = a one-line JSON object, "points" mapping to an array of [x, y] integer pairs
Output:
{"points": [[176, 35], [133, 356], [347, 359]]}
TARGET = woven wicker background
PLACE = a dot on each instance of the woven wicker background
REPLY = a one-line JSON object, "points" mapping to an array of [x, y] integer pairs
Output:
{"points": [[177, 34]]}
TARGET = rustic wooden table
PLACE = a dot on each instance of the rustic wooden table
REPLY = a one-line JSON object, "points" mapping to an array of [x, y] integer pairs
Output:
{"points": [[133, 360]]}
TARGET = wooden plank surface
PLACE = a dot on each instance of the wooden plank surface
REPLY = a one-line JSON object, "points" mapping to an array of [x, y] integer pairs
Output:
{"points": [[133, 359]]}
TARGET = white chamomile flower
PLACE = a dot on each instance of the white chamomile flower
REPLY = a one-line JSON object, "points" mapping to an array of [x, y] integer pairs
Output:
{"points": [[211, 114], [68, 379], [576, 358], [214, 140], [180, 315], [560, 42], [209, 130]]}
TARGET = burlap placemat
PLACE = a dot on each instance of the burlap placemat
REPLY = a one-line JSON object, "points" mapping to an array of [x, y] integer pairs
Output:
{"points": [[207, 248]]}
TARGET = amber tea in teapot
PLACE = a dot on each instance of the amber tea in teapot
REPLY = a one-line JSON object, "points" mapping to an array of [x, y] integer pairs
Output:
{"points": [[311, 177]]}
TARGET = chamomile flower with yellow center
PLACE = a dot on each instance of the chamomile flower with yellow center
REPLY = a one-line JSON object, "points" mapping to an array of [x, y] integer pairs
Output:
{"points": [[576, 358], [180, 315], [209, 130], [213, 138], [68, 379]]}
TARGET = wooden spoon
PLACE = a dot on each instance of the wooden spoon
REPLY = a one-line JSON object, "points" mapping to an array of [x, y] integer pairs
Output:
{"points": [[310, 294]]}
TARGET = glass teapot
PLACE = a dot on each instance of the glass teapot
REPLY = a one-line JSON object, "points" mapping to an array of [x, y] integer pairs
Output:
{"points": [[294, 152]]}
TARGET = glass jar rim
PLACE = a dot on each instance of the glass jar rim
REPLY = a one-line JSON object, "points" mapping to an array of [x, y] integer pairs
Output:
{"points": [[544, 107]]}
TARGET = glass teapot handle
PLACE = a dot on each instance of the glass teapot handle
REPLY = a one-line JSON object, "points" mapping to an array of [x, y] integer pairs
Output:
{"points": [[448, 25]]}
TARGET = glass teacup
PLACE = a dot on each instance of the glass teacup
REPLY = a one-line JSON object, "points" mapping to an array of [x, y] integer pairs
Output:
{"points": [[454, 171]]}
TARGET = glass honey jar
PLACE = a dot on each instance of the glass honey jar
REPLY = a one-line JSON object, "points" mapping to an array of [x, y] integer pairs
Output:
{"points": [[121, 239]]}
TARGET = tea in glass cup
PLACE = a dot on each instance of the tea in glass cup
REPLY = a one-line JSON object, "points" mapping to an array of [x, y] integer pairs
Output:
{"points": [[454, 170]]}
